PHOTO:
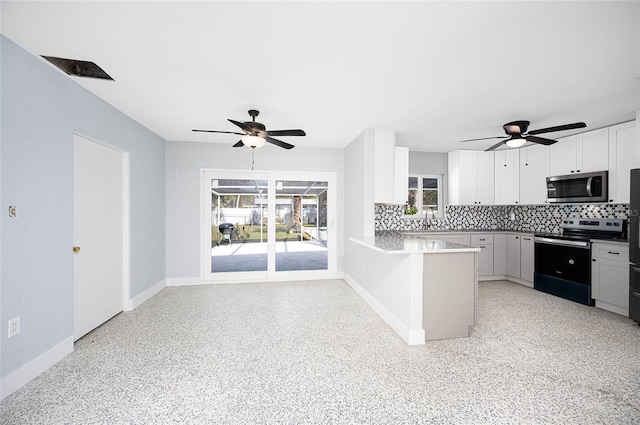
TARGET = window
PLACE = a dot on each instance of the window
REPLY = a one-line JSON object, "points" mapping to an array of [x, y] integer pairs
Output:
{"points": [[425, 194]]}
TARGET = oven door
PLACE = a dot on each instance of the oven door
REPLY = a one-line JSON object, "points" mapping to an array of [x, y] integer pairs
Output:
{"points": [[563, 259]]}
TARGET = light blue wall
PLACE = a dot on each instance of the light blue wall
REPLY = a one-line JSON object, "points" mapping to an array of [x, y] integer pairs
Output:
{"points": [[41, 108]]}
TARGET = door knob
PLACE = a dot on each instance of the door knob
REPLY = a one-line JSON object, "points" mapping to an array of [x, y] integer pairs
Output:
{"points": [[76, 249]]}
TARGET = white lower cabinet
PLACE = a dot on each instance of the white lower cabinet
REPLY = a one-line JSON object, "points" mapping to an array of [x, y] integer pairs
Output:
{"points": [[610, 276], [502, 254], [463, 239], [513, 256], [485, 258], [499, 254], [527, 252]]}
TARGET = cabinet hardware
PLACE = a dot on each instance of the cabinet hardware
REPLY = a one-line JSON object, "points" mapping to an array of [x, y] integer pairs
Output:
{"points": [[76, 249], [611, 252], [527, 239], [593, 259]]}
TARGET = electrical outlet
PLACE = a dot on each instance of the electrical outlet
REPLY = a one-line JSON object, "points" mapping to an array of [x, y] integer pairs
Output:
{"points": [[14, 326]]}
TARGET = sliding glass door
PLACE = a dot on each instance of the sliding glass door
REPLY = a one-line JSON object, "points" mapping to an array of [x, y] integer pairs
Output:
{"points": [[301, 225], [268, 225]]}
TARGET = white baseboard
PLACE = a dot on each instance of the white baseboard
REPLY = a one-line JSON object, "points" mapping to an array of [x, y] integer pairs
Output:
{"points": [[509, 278], [183, 281], [140, 299], [410, 336], [612, 308], [194, 281], [35, 367]]}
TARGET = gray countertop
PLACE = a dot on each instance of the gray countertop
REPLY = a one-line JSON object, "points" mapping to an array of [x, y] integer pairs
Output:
{"points": [[396, 242], [436, 231]]}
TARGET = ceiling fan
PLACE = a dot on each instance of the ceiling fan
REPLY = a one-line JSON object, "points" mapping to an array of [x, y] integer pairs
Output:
{"points": [[255, 134], [517, 134]]}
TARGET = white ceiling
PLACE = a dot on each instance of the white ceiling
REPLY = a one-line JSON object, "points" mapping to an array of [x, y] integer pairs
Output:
{"points": [[434, 72]]}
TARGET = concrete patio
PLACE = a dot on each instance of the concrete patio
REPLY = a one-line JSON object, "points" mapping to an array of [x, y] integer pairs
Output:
{"points": [[252, 256]]}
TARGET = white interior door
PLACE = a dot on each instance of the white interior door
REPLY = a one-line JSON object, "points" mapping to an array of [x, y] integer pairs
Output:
{"points": [[98, 260]]}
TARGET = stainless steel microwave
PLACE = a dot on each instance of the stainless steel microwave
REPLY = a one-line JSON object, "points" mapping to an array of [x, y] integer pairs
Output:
{"points": [[583, 187]]}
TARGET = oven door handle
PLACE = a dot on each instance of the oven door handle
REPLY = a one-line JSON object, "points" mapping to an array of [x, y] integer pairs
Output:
{"points": [[551, 241]]}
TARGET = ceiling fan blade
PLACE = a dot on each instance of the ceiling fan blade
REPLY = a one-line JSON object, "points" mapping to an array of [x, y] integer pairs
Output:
{"points": [[216, 131], [540, 140], [484, 138], [558, 128], [497, 145], [286, 133], [278, 143], [239, 144], [240, 124]]}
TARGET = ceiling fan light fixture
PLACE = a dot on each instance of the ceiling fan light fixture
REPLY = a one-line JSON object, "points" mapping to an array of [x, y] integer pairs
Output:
{"points": [[516, 142], [253, 141]]}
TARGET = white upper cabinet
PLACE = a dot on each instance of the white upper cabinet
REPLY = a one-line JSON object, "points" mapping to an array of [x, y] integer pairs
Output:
{"points": [[507, 176], [563, 156], [384, 151], [390, 169], [623, 149], [534, 170], [581, 153], [594, 147], [401, 175], [471, 178]]}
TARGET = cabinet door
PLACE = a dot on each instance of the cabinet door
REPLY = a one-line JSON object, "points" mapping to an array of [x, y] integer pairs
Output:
{"points": [[461, 239], [534, 170], [485, 178], [562, 156], [610, 281], [507, 176], [383, 166], [485, 260], [467, 169], [593, 151], [401, 175], [499, 254], [513, 255], [527, 258], [622, 159]]}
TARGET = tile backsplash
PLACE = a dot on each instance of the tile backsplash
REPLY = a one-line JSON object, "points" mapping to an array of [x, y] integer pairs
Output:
{"points": [[528, 218]]}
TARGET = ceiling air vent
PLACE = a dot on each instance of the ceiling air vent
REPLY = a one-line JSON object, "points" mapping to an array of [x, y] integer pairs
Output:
{"points": [[79, 68]]}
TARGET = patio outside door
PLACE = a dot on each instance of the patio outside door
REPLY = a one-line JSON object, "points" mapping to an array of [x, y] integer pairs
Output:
{"points": [[301, 225], [260, 226]]}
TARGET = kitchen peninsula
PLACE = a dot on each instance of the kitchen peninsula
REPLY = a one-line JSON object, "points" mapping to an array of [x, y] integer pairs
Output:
{"points": [[422, 286]]}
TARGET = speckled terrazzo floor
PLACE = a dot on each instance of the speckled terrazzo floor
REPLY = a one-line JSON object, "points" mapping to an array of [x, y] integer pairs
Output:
{"points": [[314, 352]]}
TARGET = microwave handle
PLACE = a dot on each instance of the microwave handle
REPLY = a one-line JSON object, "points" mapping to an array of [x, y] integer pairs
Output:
{"points": [[589, 180]]}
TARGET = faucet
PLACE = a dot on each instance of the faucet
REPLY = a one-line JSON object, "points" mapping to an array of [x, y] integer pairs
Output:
{"points": [[428, 216]]}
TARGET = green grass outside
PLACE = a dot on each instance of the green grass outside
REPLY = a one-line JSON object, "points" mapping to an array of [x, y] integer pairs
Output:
{"points": [[251, 233]]}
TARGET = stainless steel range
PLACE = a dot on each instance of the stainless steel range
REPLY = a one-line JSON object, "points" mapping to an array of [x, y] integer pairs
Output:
{"points": [[563, 261]]}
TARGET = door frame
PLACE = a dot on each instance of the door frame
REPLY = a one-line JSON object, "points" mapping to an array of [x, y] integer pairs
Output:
{"points": [[127, 301], [270, 275]]}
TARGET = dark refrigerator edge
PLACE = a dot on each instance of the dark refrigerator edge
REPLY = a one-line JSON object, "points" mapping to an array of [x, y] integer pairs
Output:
{"points": [[634, 246]]}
